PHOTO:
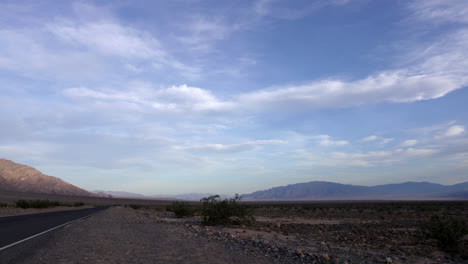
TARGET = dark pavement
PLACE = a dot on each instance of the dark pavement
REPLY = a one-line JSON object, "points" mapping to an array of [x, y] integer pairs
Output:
{"points": [[16, 228]]}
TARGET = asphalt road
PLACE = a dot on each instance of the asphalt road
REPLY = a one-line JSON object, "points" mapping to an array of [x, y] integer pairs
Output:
{"points": [[16, 228]]}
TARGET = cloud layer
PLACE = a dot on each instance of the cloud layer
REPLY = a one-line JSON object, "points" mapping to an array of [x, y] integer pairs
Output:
{"points": [[202, 96]]}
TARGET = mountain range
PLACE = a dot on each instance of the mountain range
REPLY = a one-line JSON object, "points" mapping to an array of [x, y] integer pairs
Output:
{"points": [[21, 178], [321, 190], [186, 196]]}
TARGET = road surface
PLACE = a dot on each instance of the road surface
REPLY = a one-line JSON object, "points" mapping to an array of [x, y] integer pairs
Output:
{"points": [[20, 227]]}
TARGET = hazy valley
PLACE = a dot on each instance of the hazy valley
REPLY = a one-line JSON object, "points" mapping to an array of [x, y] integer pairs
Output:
{"points": [[314, 222]]}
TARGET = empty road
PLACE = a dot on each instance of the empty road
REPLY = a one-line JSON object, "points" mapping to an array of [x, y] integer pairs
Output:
{"points": [[17, 228]]}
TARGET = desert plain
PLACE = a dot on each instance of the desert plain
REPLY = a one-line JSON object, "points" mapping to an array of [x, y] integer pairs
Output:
{"points": [[145, 231]]}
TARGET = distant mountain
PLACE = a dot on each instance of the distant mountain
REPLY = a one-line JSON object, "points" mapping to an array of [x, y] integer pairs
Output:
{"points": [[22, 178], [191, 196], [120, 194], [320, 190], [187, 196]]}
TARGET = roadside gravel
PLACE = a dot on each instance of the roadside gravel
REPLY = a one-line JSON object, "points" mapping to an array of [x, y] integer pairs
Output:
{"points": [[122, 235]]}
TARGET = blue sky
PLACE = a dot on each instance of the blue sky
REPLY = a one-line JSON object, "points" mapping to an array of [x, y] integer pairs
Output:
{"points": [[168, 97]]}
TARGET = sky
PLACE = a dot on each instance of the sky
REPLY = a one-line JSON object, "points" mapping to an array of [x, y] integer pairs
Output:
{"points": [[171, 97]]}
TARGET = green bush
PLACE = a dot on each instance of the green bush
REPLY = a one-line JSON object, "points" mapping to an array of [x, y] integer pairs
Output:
{"points": [[228, 211], [36, 204], [181, 209], [447, 230]]}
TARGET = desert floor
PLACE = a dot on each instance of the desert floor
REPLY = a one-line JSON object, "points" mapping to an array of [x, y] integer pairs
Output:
{"points": [[317, 233]]}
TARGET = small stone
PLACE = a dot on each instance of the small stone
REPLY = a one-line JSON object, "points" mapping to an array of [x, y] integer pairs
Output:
{"points": [[388, 260], [326, 257]]}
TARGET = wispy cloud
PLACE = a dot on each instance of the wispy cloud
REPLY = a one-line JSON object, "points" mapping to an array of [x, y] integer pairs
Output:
{"points": [[374, 158], [164, 96], [109, 38], [409, 143], [454, 131], [385, 141], [370, 138], [373, 138], [278, 9], [366, 159], [201, 32], [401, 86], [113, 39], [442, 131], [233, 148], [181, 98], [327, 141], [71, 47], [440, 11]]}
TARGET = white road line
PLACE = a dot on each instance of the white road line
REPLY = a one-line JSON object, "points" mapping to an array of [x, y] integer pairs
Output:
{"points": [[53, 228]]}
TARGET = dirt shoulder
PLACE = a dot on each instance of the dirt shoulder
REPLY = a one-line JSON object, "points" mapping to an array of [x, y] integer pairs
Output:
{"points": [[123, 235]]}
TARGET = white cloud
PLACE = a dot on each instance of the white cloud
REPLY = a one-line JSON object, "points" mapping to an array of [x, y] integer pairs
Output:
{"points": [[409, 143], [326, 141], [114, 39], [375, 158], [202, 31], [429, 130], [45, 60], [180, 98], [442, 131], [386, 141], [277, 9], [454, 131], [373, 138], [93, 47], [430, 71], [233, 148], [440, 11], [441, 70], [390, 86], [370, 138], [109, 38]]}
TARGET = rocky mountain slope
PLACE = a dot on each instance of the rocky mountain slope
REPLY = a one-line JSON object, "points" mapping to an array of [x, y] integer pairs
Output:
{"points": [[22, 178], [317, 190]]}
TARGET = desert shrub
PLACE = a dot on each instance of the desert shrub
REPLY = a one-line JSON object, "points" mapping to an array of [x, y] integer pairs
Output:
{"points": [[135, 206], [76, 204], [447, 230], [36, 204], [181, 209], [228, 211]]}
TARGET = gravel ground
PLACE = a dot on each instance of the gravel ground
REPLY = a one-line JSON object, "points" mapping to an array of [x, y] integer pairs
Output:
{"points": [[125, 235], [121, 235]]}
